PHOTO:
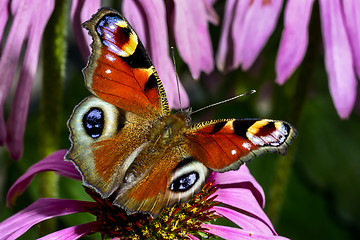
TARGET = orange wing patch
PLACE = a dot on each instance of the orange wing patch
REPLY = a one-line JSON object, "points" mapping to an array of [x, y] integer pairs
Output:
{"points": [[226, 144], [119, 70], [150, 193]]}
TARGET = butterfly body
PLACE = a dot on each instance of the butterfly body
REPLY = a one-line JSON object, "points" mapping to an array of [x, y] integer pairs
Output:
{"points": [[126, 144]]}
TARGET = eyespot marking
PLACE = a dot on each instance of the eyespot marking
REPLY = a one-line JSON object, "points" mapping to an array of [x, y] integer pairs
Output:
{"points": [[93, 122], [184, 182]]}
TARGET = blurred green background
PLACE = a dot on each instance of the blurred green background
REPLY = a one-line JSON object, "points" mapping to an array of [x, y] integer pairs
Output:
{"points": [[322, 195]]}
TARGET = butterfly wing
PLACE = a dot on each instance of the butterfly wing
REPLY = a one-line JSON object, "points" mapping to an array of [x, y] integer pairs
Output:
{"points": [[123, 138], [105, 140], [110, 129], [224, 145], [120, 71], [113, 150], [175, 177]]}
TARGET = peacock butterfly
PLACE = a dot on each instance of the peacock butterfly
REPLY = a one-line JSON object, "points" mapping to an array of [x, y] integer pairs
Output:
{"points": [[128, 146]]}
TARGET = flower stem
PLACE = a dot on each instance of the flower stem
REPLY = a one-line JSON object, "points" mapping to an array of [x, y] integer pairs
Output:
{"points": [[284, 165], [54, 55]]}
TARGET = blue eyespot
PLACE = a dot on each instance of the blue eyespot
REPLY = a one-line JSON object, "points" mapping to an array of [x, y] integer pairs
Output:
{"points": [[93, 122], [184, 182]]}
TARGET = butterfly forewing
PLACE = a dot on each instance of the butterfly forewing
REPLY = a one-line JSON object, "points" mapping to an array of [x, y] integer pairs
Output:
{"points": [[128, 147], [119, 70], [224, 145]]}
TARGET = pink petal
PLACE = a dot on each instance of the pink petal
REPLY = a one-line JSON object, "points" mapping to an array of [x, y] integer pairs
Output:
{"points": [[294, 39], [54, 162], [4, 15], [213, 17], [192, 36], [338, 57], [243, 200], [39, 211], [237, 30], [244, 221], [251, 32], [74, 232], [18, 115], [240, 178], [236, 233], [224, 56], [352, 20], [157, 45], [192, 237], [10, 57], [81, 11]]}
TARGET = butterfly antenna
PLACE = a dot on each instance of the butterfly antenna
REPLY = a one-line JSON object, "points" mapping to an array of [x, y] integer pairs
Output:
{"points": [[177, 76], [224, 101]]}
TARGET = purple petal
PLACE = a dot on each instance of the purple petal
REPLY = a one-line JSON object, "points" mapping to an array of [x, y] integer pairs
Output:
{"points": [[4, 15], [236, 233], [244, 201], [338, 57], [54, 162], [153, 13], [74, 232], [294, 39], [192, 237], [192, 36], [10, 57], [212, 16], [352, 20], [241, 178], [17, 119], [224, 56], [41, 210], [81, 11], [244, 221], [253, 29]]}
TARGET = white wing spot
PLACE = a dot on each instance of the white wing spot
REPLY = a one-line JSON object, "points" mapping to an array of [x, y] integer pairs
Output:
{"points": [[112, 47], [110, 58], [233, 152], [247, 145], [108, 71], [108, 36]]}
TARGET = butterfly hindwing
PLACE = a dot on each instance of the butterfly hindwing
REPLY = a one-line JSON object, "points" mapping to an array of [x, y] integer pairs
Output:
{"points": [[120, 71], [224, 145], [105, 139], [119, 156], [175, 177], [130, 149]]}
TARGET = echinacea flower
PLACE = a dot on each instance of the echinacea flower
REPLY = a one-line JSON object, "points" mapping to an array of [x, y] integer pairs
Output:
{"points": [[234, 195], [248, 24], [188, 23], [28, 20], [341, 40], [148, 19]]}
